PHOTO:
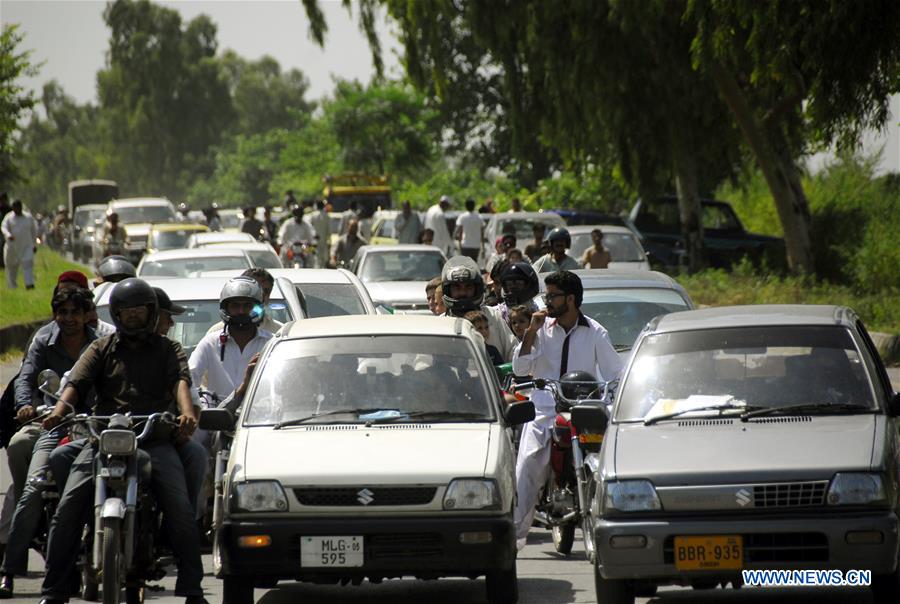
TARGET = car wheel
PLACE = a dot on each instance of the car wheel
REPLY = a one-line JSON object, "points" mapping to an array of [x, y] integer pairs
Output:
{"points": [[502, 586], [237, 590], [611, 591]]}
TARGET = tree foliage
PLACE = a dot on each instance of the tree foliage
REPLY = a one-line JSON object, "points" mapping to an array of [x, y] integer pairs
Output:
{"points": [[14, 100]]}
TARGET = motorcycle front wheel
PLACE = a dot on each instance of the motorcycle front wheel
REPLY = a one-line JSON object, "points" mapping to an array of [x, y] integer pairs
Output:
{"points": [[112, 575], [563, 537], [587, 521]]}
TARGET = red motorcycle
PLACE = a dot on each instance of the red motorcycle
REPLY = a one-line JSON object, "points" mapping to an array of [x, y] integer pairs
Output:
{"points": [[300, 254]]}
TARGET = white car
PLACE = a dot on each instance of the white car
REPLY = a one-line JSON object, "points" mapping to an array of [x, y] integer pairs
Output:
{"points": [[213, 238], [192, 262], [372, 447], [624, 247], [136, 215], [201, 298], [261, 253], [519, 223], [396, 275]]}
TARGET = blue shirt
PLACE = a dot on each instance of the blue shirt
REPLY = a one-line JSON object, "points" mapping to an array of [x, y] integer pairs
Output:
{"points": [[46, 352]]}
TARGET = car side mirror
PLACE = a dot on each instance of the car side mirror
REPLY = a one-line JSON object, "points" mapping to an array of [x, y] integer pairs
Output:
{"points": [[519, 413], [594, 418], [894, 405], [216, 419]]}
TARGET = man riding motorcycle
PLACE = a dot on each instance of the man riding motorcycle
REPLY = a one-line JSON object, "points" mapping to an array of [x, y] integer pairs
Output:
{"points": [[519, 285], [295, 230]]}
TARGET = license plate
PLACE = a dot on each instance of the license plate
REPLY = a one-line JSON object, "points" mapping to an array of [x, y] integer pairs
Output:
{"points": [[331, 552], [709, 552]]}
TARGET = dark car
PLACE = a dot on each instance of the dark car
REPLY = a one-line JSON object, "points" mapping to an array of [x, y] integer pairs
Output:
{"points": [[589, 217], [725, 241]]}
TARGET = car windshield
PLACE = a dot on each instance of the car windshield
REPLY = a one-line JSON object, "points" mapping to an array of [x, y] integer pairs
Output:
{"points": [[141, 214], [389, 377], [331, 299], [264, 259], [524, 227], [624, 312], [87, 218], [386, 229], [203, 239], [230, 220], [765, 367], [192, 325], [192, 267], [622, 247], [169, 240], [401, 266]]}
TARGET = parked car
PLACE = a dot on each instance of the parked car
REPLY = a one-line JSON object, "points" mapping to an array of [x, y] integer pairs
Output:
{"points": [[172, 235], [588, 217], [752, 437], [428, 490], [519, 223], [725, 241], [231, 219], [200, 296], [86, 222], [383, 232], [624, 301], [624, 247], [396, 275], [212, 238], [261, 253], [136, 215], [192, 263]]}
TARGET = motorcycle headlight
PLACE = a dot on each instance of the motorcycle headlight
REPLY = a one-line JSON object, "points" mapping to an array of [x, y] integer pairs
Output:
{"points": [[472, 494], [856, 488], [630, 496], [117, 442], [260, 496]]}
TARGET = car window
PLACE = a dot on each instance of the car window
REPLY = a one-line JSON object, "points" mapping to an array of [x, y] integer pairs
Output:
{"points": [[658, 217], [622, 247], [625, 312], [264, 259], [169, 240], [720, 218], [331, 299], [385, 229], [768, 366], [192, 267], [523, 227], [230, 220], [401, 266], [390, 375], [140, 214], [87, 218]]}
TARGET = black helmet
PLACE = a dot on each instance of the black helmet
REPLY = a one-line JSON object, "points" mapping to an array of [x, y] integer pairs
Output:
{"points": [[115, 268], [461, 269], [560, 234], [579, 385], [129, 293], [519, 271], [246, 288]]}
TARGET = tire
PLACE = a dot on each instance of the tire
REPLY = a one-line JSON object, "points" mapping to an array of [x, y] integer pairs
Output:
{"points": [[502, 586], [112, 557], [587, 523], [237, 590], [611, 591], [563, 537], [90, 589]]}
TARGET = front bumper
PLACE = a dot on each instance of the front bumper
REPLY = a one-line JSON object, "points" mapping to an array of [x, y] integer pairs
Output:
{"points": [[427, 547], [810, 542]]}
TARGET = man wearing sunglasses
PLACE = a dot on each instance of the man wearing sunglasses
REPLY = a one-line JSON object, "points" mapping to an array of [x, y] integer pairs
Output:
{"points": [[568, 341]]}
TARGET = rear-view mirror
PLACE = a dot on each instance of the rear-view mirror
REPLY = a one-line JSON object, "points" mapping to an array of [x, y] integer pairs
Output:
{"points": [[593, 418], [519, 413], [216, 420], [48, 381]]}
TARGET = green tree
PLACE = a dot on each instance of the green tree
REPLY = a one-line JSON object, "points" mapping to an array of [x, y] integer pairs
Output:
{"points": [[14, 100]]}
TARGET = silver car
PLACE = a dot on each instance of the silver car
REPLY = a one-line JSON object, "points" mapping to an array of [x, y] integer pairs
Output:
{"points": [[748, 438], [396, 275]]}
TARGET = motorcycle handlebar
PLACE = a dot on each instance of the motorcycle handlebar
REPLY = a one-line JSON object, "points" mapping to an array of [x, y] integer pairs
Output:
{"points": [[151, 420]]}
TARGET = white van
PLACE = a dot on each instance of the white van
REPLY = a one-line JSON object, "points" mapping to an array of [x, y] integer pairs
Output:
{"points": [[370, 447]]}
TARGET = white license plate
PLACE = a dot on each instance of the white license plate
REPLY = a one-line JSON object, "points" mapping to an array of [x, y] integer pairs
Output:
{"points": [[331, 552]]}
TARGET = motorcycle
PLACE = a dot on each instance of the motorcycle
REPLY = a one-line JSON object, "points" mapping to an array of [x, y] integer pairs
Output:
{"points": [[300, 254], [577, 435]]}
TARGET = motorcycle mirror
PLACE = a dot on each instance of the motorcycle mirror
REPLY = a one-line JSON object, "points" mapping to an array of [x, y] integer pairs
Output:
{"points": [[590, 417], [216, 419], [49, 381], [519, 413]]}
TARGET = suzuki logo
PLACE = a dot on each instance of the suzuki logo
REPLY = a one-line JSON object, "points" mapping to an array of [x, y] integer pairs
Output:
{"points": [[365, 497], [743, 497]]}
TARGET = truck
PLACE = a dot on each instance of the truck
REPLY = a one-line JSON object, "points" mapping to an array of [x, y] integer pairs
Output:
{"points": [[82, 192], [370, 193]]}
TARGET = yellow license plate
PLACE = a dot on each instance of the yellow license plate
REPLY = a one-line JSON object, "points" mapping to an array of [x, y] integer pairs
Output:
{"points": [[590, 438], [709, 552]]}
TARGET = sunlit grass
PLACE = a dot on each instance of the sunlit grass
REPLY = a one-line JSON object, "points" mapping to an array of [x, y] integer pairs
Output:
{"points": [[23, 306]]}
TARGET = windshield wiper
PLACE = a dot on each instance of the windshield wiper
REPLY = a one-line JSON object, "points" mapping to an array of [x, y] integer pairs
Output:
{"points": [[805, 408], [435, 414], [720, 408], [622, 347], [300, 420]]}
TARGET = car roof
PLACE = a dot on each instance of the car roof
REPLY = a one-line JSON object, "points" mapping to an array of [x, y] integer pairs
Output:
{"points": [[604, 228], [181, 289], [601, 278], [179, 226], [757, 315], [526, 215], [92, 206], [215, 236], [354, 325], [239, 245], [400, 247], [131, 202], [297, 276], [194, 252]]}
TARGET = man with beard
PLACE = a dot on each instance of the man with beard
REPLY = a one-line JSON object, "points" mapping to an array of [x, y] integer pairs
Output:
{"points": [[568, 342]]}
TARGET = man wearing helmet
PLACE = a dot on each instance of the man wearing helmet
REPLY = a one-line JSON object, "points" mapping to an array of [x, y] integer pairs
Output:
{"points": [[557, 259], [114, 237], [134, 370], [183, 211], [518, 285], [462, 290], [113, 269], [569, 341]]}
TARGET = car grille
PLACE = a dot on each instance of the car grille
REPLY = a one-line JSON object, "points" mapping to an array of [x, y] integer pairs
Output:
{"points": [[772, 547], [791, 494], [354, 496]]}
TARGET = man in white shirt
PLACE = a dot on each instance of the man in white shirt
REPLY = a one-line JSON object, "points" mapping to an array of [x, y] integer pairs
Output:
{"points": [[557, 260], [407, 225], [469, 231], [220, 359], [322, 227], [20, 232], [293, 231], [437, 222], [267, 283], [568, 342]]}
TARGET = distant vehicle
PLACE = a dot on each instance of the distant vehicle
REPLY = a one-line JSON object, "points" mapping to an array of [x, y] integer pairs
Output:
{"points": [[748, 438], [623, 245], [261, 253], [588, 217], [383, 229], [724, 239], [136, 215], [370, 193], [519, 223], [171, 236], [396, 275], [86, 221], [192, 262], [231, 219], [213, 238], [82, 192]]}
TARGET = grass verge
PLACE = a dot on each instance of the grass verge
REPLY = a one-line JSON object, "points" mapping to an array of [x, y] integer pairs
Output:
{"points": [[22, 305]]}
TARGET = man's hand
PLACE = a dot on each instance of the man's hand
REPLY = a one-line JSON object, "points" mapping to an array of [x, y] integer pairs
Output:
{"points": [[25, 413], [537, 320], [187, 424], [52, 420]]}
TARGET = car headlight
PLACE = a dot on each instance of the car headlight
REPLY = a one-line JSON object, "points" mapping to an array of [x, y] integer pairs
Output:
{"points": [[260, 496], [472, 494], [117, 442], [630, 496], [856, 488]]}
